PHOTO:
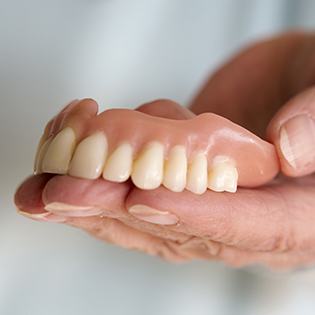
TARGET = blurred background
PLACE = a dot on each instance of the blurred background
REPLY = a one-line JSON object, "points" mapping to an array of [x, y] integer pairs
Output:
{"points": [[122, 53]]}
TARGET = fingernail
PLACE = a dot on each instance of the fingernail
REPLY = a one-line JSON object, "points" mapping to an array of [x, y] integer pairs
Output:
{"points": [[72, 210], [151, 215], [297, 141], [44, 216]]}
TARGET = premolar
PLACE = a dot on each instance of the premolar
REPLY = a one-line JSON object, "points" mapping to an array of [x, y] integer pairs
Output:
{"points": [[59, 152], [175, 170], [89, 157], [119, 164], [223, 175], [147, 170], [197, 174]]}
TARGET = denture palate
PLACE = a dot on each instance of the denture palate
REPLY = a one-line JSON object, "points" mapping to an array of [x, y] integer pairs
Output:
{"points": [[205, 152]]}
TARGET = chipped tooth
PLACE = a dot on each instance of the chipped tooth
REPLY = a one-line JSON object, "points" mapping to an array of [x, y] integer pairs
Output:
{"points": [[175, 170], [223, 176], [147, 170], [89, 157], [197, 174], [42, 149], [119, 164], [59, 152]]}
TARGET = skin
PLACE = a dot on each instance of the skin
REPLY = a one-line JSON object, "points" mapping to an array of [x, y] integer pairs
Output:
{"points": [[270, 225]]}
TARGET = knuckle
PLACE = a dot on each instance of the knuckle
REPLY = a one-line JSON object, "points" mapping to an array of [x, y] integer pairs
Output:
{"points": [[281, 243]]}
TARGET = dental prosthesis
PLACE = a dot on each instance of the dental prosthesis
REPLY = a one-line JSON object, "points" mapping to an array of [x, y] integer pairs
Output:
{"points": [[206, 151]]}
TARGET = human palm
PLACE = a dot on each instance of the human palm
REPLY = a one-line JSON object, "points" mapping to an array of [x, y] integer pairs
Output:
{"points": [[272, 225]]}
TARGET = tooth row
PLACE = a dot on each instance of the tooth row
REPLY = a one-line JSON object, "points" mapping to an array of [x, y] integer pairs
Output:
{"points": [[148, 171]]}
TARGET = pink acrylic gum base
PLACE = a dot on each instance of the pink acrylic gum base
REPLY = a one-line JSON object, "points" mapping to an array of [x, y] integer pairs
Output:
{"points": [[255, 159]]}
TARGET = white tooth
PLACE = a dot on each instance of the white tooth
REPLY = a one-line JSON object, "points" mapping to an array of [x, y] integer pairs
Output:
{"points": [[175, 170], [197, 174], [59, 152], [223, 175], [42, 149], [147, 170], [89, 157], [119, 164]]}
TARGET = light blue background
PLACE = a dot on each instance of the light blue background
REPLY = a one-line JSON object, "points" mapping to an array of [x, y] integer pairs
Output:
{"points": [[121, 53]]}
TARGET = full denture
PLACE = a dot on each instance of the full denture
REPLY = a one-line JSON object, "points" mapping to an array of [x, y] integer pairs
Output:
{"points": [[207, 151]]}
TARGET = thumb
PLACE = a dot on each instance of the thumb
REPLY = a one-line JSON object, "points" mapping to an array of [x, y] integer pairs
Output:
{"points": [[292, 130]]}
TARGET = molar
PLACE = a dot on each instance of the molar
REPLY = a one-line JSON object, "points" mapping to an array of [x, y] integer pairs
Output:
{"points": [[175, 170], [119, 164], [147, 170], [197, 174], [89, 157], [223, 175], [59, 152]]}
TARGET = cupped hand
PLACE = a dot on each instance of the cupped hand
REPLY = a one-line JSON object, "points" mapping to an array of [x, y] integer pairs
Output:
{"points": [[268, 89]]}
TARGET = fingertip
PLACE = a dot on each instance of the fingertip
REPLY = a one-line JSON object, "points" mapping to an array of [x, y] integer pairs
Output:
{"points": [[295, 144], [166, 108], [292, 131]]}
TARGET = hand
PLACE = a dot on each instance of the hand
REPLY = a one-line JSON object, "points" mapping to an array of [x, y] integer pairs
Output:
{"points": [[272, 225]]}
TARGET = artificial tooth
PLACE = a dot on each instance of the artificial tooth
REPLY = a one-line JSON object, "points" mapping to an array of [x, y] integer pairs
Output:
{"points": [[59, 152], [42, 149], [223, 176], [89, 157], [119, 164], [147, 170], [175, 170], [197, 174]]}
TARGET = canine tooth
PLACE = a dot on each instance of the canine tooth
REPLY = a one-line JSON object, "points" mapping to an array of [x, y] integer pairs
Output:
{"points": [[175, 170], [197, 174], [119, 164], [89, 157], [223, 176], [42, 149], [59, 152], [147, 170]]}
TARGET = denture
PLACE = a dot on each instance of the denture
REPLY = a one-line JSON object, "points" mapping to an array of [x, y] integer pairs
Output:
{"points": [[204, 152]]}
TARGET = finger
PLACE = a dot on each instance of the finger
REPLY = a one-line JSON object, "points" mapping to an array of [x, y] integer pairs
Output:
{"points": [[77, 197], [166, 109], [28, 199], [256, 82], [129, 234], [292, 130], [267, 219], [116, 232]]}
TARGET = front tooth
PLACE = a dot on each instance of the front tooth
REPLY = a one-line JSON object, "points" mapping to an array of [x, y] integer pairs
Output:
{"points": [[89, 157], [59, 152], [223, 176], [119, 165], [147, 170], [197, 174], [175, 170], [42, 149]]}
